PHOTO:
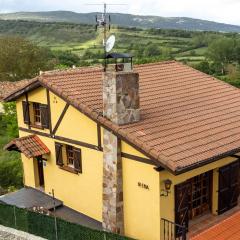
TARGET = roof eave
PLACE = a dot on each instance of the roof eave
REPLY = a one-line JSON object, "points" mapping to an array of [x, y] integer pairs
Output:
{"points": [[13, 96], [207, 161]]}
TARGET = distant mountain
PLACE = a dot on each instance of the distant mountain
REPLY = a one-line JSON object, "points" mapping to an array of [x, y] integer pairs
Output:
{"points": [[125, 20]]}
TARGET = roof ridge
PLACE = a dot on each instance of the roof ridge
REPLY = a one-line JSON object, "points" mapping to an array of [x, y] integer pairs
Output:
{"points": [[71, 71], [156, 63]]}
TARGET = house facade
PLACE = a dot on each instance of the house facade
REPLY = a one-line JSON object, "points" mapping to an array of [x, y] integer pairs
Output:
{"points": [[141, 151]]}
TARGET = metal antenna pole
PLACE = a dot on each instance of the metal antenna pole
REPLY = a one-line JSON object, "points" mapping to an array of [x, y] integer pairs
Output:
{"points": [[105, 36]]}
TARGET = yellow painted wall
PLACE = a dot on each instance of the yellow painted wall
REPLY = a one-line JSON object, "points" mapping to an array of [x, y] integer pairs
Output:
{"points": [[82, 192], [38, 95], [126, 148], [141, 206]]}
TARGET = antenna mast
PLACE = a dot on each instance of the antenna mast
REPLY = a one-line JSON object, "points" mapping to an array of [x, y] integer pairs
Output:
{"points": [[104, 21]]}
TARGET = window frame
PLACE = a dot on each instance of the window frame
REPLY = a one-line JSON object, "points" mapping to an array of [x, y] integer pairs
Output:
{"points": [[36, 114]]}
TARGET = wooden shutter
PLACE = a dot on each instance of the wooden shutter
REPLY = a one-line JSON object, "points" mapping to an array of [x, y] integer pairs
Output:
{"points": [[228, 191], [77, 155], [59, 155], [44, 115], [26, 116], [181, 206]]}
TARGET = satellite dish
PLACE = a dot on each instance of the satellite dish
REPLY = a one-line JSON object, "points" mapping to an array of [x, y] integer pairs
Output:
{"points": [[110, 43]]}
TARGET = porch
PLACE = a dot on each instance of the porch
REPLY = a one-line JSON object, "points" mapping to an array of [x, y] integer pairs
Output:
{"points": [[202, 201], [207, 221]]}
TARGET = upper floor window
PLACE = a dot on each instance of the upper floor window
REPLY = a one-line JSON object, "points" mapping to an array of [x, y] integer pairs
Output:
{"points": [[35, 114]]}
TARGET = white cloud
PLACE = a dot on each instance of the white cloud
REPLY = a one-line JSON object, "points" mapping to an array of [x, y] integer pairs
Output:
{"points": [[217, 10]]}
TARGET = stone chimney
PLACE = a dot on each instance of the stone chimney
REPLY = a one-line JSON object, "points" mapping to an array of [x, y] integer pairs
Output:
{"points": [[121, 96], [121, 106]]}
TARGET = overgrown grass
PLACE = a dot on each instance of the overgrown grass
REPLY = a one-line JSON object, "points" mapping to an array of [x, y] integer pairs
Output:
{"points": [[11, 172]]}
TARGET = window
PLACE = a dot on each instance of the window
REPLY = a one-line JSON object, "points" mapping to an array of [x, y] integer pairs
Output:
{"points": [[36, 114], [68, 157]]}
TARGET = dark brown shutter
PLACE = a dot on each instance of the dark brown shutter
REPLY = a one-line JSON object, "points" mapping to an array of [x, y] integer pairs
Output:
{"points": [[77, 155], [59, 155], [181, 206], [228, 191], [44, 115], [26, 116], [234, 184]]}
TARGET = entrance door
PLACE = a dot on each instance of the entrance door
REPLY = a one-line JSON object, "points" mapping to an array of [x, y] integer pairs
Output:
{"points": [[228, 187], [40, 171], [181, 206]]}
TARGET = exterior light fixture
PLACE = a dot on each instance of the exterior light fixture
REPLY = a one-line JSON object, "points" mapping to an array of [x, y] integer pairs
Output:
{"points": [[167, 187]]}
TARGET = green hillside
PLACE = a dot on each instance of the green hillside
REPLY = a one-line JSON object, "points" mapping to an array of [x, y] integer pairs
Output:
{"points": [[82, 39], [129, 20]]}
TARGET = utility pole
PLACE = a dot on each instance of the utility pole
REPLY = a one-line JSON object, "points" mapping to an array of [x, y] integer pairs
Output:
{"points": [[54, 212]]}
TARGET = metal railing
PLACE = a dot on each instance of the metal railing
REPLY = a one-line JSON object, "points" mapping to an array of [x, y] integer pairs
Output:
{"points": [[173, 231]]}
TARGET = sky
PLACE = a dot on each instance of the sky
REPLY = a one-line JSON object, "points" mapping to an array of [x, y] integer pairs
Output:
{"points": [[226, 11]]}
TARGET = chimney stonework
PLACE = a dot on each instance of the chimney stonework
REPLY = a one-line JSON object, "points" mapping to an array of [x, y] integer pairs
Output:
{"points": [[121, 97], [121, 106]]}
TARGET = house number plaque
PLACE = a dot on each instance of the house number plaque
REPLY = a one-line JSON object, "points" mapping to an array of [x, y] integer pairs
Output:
{"points": [[143, 185]]}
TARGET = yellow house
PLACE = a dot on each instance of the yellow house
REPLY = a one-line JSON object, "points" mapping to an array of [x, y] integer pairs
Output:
{"points": [[145, 151]]}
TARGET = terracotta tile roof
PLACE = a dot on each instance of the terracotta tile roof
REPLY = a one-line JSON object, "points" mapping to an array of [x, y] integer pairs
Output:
{"points": [[228, 229], [31, 146], [7, 87], [187, 117]]}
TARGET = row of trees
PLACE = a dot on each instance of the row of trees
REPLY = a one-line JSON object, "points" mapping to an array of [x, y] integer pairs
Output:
{"points": [[20, 59]]}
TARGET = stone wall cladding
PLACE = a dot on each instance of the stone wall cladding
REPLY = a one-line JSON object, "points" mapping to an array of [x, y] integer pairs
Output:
{"points": [[121, 106], [112, 184], [121, 97]]}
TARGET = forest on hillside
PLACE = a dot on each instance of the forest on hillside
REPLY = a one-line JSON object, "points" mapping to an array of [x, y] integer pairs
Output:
{"points": [[28, 47]]}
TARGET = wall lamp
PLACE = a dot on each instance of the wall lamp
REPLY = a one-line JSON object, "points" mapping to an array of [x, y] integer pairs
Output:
{"points": [[167, 187]]}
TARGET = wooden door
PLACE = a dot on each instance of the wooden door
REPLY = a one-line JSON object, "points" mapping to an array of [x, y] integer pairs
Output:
{"points": [[200, 194], [228, 187], [181, 206], [40, 172]]}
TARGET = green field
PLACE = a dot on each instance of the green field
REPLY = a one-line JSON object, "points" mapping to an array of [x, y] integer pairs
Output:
{"points": [[145, 44]]}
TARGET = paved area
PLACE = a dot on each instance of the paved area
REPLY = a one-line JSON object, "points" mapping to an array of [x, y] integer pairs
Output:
{"points": [[28, 198], [202, 223], [229, 229], [7, 233], [73, 216]]}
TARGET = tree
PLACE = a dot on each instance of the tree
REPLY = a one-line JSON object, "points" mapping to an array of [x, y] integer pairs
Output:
{"points": [[67, 58], [21, 59], [9, 120], [152, 50], [222, 52]]}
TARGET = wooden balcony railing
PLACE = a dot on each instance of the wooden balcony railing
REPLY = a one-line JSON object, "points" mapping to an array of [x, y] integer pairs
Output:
{"points": [[173, 231]]}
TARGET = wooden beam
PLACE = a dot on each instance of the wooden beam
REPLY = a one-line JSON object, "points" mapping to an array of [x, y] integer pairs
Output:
{"points": [[99, 136], [49, 111], [60, 119], [136, 158], [29, 120], [67, 140]]}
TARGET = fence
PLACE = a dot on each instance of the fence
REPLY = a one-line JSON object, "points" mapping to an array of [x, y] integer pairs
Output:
{"points": [[44, 226], [173, 231]]}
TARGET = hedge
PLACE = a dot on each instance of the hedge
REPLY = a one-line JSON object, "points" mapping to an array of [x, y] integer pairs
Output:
{"points": [[44, 226]]}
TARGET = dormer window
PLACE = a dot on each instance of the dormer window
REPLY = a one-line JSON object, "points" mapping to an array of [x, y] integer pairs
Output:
{"points": [[36, 114]]}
